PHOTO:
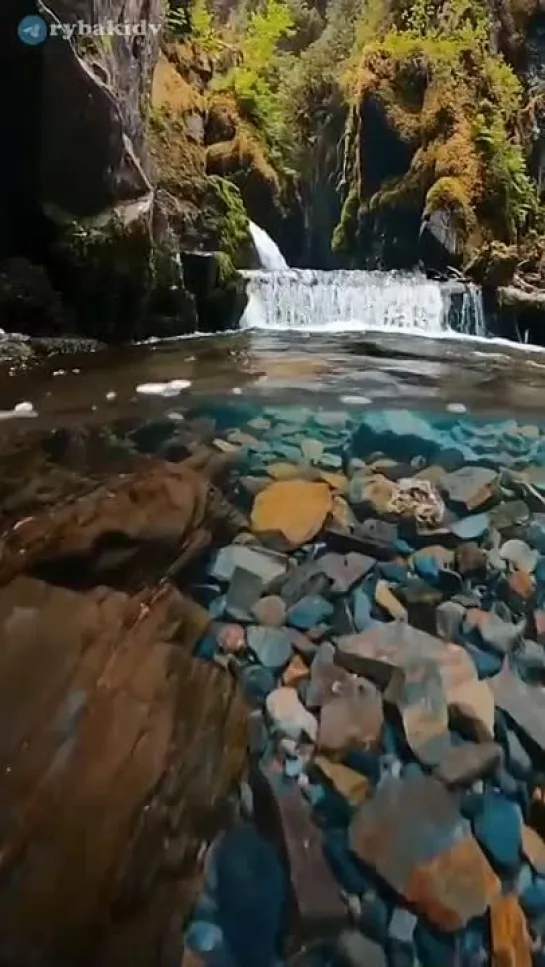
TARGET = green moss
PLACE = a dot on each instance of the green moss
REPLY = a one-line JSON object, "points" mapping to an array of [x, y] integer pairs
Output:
{"points": [[344, 235], [449, 193], [228, 215]]}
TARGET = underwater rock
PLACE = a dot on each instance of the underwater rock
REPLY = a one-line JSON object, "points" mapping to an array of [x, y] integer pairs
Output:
{"points": [[462, 764], [289, 715], [297, 509], [416, 690], [271, 646], [410, 834], [352, 785], [498, 828], [351, 722], [523, 704], [510, 939], [270, 611], [265, 566]]}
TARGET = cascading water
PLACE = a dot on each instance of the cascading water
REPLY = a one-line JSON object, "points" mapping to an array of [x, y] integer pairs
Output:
{"points": [[270, 256], [354, 301], [281, 298]]}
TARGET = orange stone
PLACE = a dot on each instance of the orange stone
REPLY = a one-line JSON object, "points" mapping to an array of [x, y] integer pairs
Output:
{"points": [[509, 934], [521, 583], [295, 672], [454, 886], [297, 509]]}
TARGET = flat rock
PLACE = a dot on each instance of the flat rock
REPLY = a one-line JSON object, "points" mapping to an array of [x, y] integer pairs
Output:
{"points": [[498, 828], [311, 610], [289, 715], [470, 486], [520, 555], [510, 940], [286, 817], [326, 681], [411, 834], [494, 632], [376, 652], [462, 764], [385, 598], [263, 564], [533, 849], [271, 646], [523, 704], [297, 509], [352, 785], [244, 591], [416, 690], [470, 528], [351, 722], [344, 570]]}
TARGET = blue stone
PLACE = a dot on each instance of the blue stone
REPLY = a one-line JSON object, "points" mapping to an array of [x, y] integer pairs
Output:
{"points": [[217, 607], [362, 610], [412, 769], [205, 909], [257, 682], [539, 570], [402, 547], [471, 805], [498, 829], [505, 781], [375, 916], [427, 567], [345, 866], [399, 956], [402, 926], [434, 948], [252, 896], [470, 528], [524, 879], [206, 647], [293, 767], [309, 612], [367, 763], [535, 533], [532, 900], [271, 646], [399, 433], [472, 945], [392, 571], [314, 793], [487, 663], [202, 937]]}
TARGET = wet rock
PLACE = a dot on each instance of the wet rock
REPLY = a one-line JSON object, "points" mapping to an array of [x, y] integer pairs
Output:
{"points": [[287, 818], [427, 567], [530, 661], [470, 558], [498, 829], [289, 715], [355, 950], [470, 528], [252, 891], [533, 849], [344, 570], [270, 611], [296, 672], [389, 603], [410, 833], [523, 704], [416, 690], [351, 722], [231, 638], [354, 787], [254, 485], [326, 681], [433, 947], [303, 581], [271, 646], [244, 591], [510, 940], [309, 612], [462, 764], [519, 555], [376, 491], [449, 616], [302, 643], [470, 486], [518, 760], [508, 514], [494, 632], [361, 610], [297, 509], [257, 683], [312, 450], [265, 566], [521, 586]]}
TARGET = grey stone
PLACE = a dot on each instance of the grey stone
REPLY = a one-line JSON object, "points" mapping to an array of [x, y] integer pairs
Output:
{"points": [[520, 555], [244, 591], [270, 611], [449, 617], [267, 565], [271, 646], [467, 485], [344, 570], [463, 764], [470, 528], [402, 926], [510, 513], [417, 692], [357, 950], [523, 704]]}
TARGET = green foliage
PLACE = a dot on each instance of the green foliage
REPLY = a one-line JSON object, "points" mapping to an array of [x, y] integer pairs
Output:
{"points": [[232, 226], [255, 80], [510, 186], [177, 21]]}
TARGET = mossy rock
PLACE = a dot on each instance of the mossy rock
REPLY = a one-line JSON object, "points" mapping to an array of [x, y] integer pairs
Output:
{"points": [[219, 290], [228, 221]]}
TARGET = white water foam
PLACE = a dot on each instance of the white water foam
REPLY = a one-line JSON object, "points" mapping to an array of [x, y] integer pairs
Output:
{"points": [[345, 301], [270, 256]]}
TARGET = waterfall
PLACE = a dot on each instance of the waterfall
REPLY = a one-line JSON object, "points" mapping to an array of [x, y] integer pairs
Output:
{"points": [[340, 301], [270, 256]]}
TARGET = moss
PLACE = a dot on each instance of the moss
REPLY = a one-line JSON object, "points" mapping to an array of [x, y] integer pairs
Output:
{"points": [[231, 223], [448, 193]]}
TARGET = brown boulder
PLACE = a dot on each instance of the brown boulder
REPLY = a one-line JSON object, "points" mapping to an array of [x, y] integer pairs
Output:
{"points": [[509, 933], [352, 721], [110, 765]]}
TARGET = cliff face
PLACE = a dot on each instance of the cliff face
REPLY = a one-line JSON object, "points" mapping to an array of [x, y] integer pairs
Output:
{"points": [[93, 222]]}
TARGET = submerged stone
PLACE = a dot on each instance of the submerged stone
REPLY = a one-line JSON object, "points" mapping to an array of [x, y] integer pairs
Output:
{"points": [[351, 784], [351, 722], [357, 950], [297, 509], [449, 617], [252, 893], [287, 818], [271, 646], [462, 764], [289, 715], [498, 828], [417, 692], [231, 638], [244, 591], [470, 528], [470, 558], [388, 602], [520, 555], [510, 939], [344, 570], [257, 682], [309, 612], [361, 610], [523, 704], [270, 611], [494, 632], [266, 566], [411, 834]]}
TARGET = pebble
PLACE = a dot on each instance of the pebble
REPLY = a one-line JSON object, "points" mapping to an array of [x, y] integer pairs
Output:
{"points": [[520, 555], [270, 611], [310, 611], [289, 715], [498, 828], [271, 646]]}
